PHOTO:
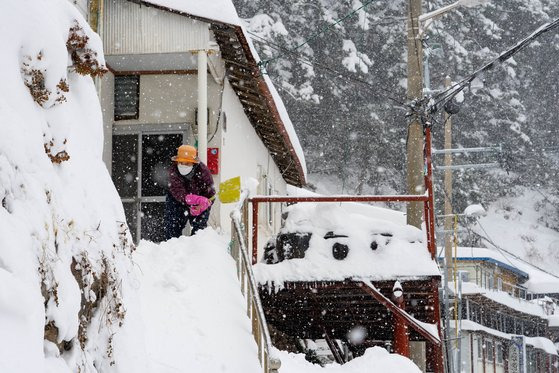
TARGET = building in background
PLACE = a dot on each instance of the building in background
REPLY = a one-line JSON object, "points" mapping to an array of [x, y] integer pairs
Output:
{"points": [[163, 56], [501, 318]]}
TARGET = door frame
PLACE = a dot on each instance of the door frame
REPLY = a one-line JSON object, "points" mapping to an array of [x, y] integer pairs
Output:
{"points": [[147, 129]]}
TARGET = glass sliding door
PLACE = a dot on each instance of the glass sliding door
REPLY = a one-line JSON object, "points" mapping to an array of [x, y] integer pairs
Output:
{"points": [[139, 171], [157, 150]]}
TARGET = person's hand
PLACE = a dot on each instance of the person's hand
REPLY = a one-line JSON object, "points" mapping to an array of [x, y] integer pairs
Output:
{"points": [[198, 204]]}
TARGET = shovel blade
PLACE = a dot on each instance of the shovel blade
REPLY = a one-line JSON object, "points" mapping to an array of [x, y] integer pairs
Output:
{"points": [[230, 190]]}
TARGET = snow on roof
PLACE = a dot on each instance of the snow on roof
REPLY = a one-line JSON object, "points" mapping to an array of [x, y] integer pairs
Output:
{"points": [[539, 281], [216, 10], [504, 298], [541, 343], [400, 253], [390, 215]]}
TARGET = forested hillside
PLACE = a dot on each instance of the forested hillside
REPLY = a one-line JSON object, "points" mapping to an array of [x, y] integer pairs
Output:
{"points": [[340, 89]]}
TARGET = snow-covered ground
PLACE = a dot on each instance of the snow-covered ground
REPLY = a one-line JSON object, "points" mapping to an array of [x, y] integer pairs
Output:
{"points": [[523, 226], [375, 359], [192, 307]]}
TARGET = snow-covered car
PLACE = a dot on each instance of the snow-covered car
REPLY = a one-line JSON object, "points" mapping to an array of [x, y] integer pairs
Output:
{"points": [[333, 241]]}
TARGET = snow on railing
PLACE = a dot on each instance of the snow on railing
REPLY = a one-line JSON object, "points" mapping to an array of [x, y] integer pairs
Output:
{"points": [[249, 287]]}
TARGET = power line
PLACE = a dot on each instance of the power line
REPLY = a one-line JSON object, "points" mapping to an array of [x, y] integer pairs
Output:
{"points": [[500, 249], [488, 239], [264, 63], [374, 88], [449, 93]]}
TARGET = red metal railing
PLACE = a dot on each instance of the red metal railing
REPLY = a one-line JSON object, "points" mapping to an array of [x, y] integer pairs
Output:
{"points": [[426, 198], [428, 203]]}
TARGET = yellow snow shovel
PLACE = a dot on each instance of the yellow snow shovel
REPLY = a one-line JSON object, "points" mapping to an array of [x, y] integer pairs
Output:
{"points": [[230, 190]]}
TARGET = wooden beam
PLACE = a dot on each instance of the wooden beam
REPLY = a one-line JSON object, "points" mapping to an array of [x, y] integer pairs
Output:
{"points": [[251, 103], [156, 72], [368, 288], [249, 95], [245, 87]]}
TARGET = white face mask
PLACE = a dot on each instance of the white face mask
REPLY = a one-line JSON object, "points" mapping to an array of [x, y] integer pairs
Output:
{"points": [[184, 169]]}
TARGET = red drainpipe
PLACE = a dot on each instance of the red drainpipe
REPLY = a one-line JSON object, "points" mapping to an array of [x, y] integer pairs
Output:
{"points": [[401, 337], [430, 203], [254, 232]]}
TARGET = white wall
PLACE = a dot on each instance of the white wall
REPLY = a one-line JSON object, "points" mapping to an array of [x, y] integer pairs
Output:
{"points": [[173, 98], [106, 97], [243, 154]]}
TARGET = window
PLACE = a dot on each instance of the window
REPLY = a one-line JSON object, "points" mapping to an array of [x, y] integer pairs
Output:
{"points": [[270, 209], [127, 97], [499, 284], [500, 357], [489, 352], [491, 283]]}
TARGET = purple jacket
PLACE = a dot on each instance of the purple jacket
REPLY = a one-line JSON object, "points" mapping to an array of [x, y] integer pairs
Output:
{"points": [[199, 181]]}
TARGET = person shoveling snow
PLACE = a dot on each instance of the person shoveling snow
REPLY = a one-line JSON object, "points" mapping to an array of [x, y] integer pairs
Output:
{"points": [[191, 192]]}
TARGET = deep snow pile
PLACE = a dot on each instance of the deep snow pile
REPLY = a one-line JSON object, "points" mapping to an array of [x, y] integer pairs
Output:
{"points": [[195, 315], [526, 227], [64, 247], [375, 359], [192, 306]]}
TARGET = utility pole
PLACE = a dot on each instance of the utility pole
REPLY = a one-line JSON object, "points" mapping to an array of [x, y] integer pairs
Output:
{"points": [[448, 220], [447, 226], [414, 149]]}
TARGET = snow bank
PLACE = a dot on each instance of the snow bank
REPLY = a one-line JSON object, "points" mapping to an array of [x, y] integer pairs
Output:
{"points": [[399, 251], [519, 226], [194, 312], [64, 249], [374, 360]]}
